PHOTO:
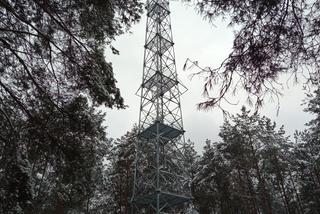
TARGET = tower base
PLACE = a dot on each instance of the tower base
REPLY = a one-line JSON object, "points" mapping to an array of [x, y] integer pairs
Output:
{"points": [[167, 200]]}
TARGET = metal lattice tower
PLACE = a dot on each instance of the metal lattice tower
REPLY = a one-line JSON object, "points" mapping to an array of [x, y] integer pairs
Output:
{"points": [[161, 183]]}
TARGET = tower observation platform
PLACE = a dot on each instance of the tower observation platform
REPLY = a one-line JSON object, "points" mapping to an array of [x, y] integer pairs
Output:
{"points": [[161, 180]]}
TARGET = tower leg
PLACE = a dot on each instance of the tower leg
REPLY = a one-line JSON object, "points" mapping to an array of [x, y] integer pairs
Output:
{"points": [[158, 203]]}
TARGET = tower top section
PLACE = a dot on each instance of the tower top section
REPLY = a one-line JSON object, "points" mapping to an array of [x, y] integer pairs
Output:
{"points": [[158, 9]]}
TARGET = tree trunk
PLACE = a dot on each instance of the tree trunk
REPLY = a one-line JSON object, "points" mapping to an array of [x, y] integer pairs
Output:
{"points": [[265, 196], [280, 181], [300, 209]]}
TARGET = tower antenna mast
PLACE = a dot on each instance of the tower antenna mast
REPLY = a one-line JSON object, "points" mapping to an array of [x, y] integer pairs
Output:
{"points": [[161, 181]]}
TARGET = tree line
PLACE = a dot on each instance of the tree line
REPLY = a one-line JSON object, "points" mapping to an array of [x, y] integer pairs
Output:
{"points": [[255, 168]]}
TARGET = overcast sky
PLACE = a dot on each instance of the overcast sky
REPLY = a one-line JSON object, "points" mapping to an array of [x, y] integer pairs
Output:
{"points": [[199, 40]]}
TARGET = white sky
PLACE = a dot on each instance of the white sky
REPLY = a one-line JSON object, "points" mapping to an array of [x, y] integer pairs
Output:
{"points": [[199, 40]]}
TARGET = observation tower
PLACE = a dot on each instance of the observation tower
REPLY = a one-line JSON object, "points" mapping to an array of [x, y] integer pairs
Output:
{"points": [[161, 180]]}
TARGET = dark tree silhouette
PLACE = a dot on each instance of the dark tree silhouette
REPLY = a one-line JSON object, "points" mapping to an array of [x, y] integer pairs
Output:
{"points": [[53, 74], [273, 37], [53, 50]]}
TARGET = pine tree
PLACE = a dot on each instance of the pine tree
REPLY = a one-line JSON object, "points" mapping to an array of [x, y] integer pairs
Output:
{"points": [[122, 169], [52, 141], [308, 161], [248, 171], [66, 160], [272, 38]]}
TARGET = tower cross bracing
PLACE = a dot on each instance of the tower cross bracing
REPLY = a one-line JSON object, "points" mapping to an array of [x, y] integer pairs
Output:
{"points": [[161, 181]]}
